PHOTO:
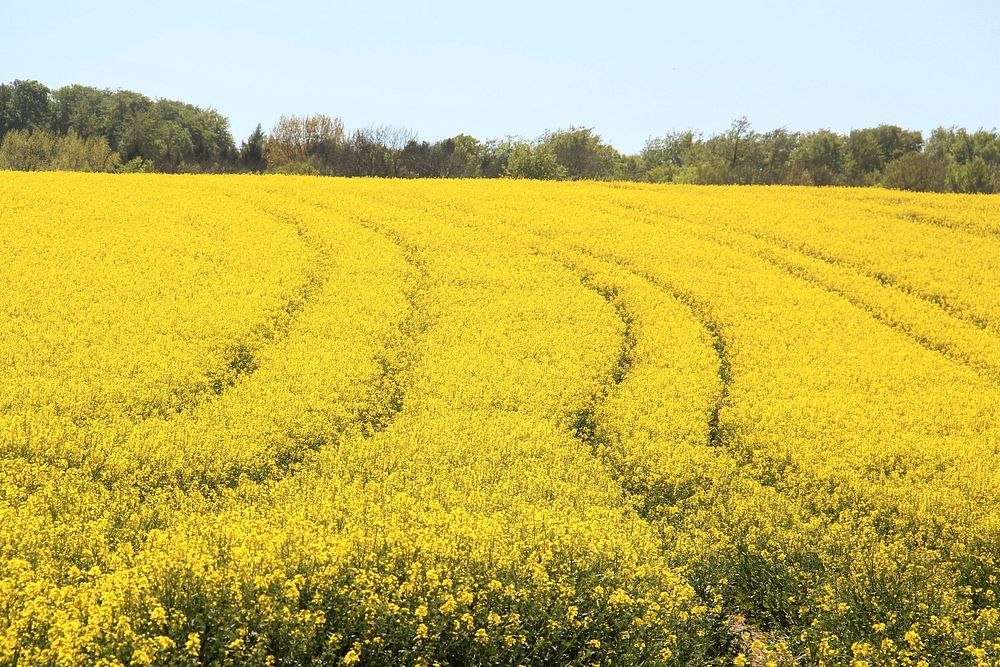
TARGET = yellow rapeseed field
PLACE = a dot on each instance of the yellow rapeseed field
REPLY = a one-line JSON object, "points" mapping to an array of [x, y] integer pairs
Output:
{"points": [[290, 421]]}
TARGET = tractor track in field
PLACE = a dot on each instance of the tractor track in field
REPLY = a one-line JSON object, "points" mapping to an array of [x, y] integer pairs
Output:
{"points": [[956, 355], [395, 361], [717, 432], [399, 355], [209, 496], [940, 302], [237, 363], [949, 352], [737, 632], [240, 359], [718, 435], [941, 223], [584, 424]]}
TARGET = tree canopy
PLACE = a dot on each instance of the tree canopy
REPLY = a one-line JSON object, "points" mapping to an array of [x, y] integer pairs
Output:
{"points": [[80, 127]]}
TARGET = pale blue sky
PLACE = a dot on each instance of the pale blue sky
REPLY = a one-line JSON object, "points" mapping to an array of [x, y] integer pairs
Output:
{"points": [[629, 69]]}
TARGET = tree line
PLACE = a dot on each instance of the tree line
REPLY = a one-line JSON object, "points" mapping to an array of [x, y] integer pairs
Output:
{"points": [[89, 129]]}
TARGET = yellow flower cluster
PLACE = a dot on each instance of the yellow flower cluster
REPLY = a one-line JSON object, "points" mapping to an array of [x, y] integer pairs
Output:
{"points": [[280, 420]]}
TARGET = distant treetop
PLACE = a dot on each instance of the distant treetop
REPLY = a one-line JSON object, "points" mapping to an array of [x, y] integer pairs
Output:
{"points": [[82, 128]]}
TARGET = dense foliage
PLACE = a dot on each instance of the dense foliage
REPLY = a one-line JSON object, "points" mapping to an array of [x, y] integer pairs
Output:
{"points": [[286, 421], [41, 129], [145, 134]]}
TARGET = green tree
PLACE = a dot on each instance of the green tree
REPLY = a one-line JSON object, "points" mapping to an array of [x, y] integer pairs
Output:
{"points": [[41, 150], [630, 168], [739, 133], [252, 151], [122, 110], [533, 162], [663, 157], [867, 151], [6, 91], [140, 136], [495, 156], [973, 158], [916, 171], [22, 150], [80, 109], [817, 159], [774, 150], [733, 156], [581, 153], [465, 157], [26, 105], [975, 176], [177, 145]]}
